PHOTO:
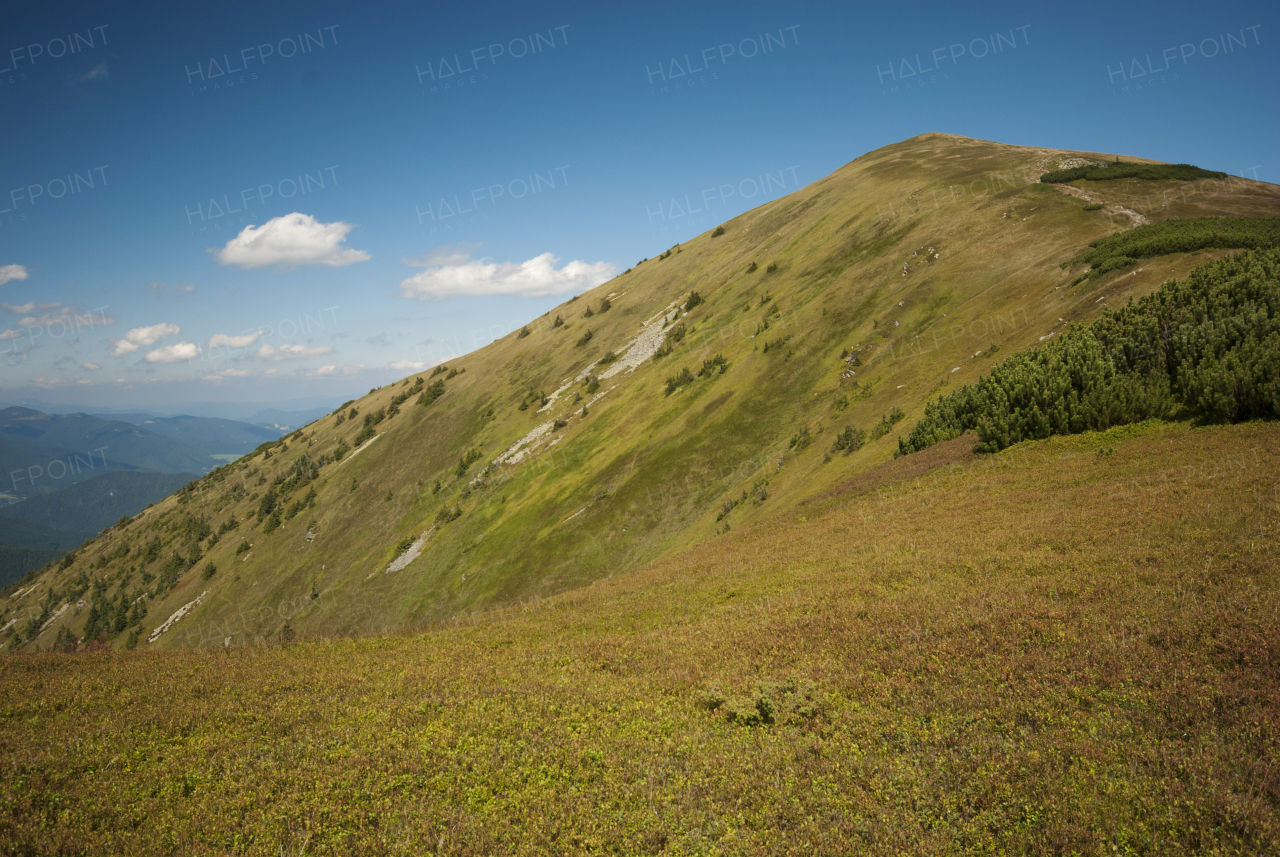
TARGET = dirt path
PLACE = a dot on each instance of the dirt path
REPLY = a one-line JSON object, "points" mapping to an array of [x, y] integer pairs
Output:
{"points": [[1042, 166]]}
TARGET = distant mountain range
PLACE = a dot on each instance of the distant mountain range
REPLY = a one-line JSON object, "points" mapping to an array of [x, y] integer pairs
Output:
{"points": [[283, 416], [213, 435], [114, 444], [66, 476], [90, 506]]}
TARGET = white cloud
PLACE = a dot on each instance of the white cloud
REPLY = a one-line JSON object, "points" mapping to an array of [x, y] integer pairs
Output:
{"points": [[228, 373], [12, 272], [446, 254], [68, 318], [326, 371], [294, 239], [140, 336], [226, 340], [99, 71], [12, 334], [291, 352], [32, 306], [44, 320], [407, 366], [174, 353], [92, 367], [159, 288], [457, 274]]}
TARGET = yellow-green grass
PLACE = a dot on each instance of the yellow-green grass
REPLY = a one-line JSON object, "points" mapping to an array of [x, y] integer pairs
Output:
{"points": [[645, 475], [1069, 647]]}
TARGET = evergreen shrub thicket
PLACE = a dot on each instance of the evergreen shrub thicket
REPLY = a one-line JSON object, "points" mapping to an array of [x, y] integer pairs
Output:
{"points": [[1177, 236], [1147, 172], [1206, 347]]}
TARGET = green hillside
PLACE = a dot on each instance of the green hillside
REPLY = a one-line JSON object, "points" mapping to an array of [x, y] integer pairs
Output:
{"points": [[717, 386]]}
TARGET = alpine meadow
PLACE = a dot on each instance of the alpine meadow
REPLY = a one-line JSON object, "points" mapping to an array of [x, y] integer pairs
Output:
{"points": [[927, 505]]}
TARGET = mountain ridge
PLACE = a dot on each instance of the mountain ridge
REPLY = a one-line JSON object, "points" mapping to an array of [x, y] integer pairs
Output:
{"points": [[538, 464]]}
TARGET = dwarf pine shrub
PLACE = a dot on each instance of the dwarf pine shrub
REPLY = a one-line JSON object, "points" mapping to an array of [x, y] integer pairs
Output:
{"points": [[1207, 347], [849, 440], [675, 382]]}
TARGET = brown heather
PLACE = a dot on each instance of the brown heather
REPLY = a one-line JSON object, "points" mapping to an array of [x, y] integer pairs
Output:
{"points": [[1066, 648]]}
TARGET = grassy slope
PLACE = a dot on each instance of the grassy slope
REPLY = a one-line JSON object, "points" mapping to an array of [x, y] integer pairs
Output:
{"points": [[645, 474], [1065, 648]]}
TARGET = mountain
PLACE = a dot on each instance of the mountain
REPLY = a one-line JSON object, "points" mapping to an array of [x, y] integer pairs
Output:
{"points": [[858, 524], [30, 469], [236, 411], [25, 546], [287, 420], [20, 533], [213, 435], [63, 408], [96, 503], [113, 440], [730, 384], [44, 527], [16, 562], [245, 411]]}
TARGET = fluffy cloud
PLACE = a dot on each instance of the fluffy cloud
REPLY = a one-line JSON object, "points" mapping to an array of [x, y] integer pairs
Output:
{"points": [[327, 371], [226, 340], [407, 366], [140, 336], [92, 367], [291, 352], [294, 239], [459, 274], [12, 272], [174, 353]]}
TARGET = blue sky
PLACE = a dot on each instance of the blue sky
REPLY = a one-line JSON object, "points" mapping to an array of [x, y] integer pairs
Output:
{"points": [[261, 202]]}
